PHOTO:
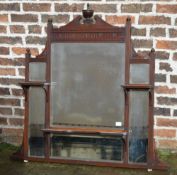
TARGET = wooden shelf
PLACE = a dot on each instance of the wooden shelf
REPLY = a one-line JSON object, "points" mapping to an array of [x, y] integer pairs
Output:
{"points": [[137, 86], [86, 131], [32, 83]]}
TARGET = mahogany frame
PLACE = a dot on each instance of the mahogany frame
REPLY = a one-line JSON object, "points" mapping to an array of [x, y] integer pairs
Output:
{"points": [[99, 32]]}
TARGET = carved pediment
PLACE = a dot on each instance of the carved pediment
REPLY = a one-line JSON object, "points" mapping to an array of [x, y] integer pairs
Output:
{"points": [[77, 24]]}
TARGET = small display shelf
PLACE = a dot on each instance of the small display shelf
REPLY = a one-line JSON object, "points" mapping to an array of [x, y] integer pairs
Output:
{"points": [[27, 84], [137, 87]]}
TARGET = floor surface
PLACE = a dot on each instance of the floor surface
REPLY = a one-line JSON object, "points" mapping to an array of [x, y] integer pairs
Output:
{"points": [[9, 167]]}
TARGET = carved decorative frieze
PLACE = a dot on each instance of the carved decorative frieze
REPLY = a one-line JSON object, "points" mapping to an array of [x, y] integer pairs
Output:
{"points": [[87, 36]]}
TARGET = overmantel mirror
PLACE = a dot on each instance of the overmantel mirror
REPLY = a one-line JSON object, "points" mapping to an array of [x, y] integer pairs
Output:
{"points": [[89, 98]]}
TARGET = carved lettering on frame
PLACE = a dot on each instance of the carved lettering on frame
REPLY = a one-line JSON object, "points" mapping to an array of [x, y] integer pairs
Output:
{"points": [[86, 36]]}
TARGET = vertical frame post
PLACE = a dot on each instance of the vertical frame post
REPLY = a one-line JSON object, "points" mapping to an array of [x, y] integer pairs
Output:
{"points": [[48, 88], [127, 70], [26, 119], [151, 151]]}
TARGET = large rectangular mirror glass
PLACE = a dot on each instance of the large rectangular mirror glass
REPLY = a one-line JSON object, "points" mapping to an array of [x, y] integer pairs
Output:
{"points": [[86, 81]]}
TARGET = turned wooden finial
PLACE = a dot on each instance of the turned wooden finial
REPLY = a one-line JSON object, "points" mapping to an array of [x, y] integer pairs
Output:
{"points": [[50, 21], [28, 53], [88, 6], [152, 50], [128, 19]]}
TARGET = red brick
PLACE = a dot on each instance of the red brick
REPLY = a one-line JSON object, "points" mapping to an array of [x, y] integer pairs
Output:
{"points": [[17, 92], [16, 121], [59, 7], [166, 101], [56, 18], [3, 29], [9, 101], [136, 8], [166, 44], [175, 113], [9, 62], [10, 81], [21, 71], [165, 133], [154, 20], [113, 19], [5, 111], [175, 56], [4, 50], [10, 40], [24, 18], [12, 135], [3, 18], [173, 78], [35, 40], [165, 90], [10, 7], [3, 121], [106, 8], [166, 122], [13, 139], [22, 51], [170, 144], [160, 78], [7, 71], [37, 7], [20, 61], [173, 33], [143, 54], [4, 91], [138, 32], [157, 32], [166, 67], [162, 111], [17, 29], [162, 55], [165, 8], [12, 131], [19, 111], [142, 43], [34, 29]]}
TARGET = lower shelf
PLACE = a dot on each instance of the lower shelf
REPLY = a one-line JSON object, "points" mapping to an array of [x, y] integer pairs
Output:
{"points": [[86, 131]]}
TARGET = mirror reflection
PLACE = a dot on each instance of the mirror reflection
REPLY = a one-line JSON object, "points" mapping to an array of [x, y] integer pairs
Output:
{"points": [[86, 84]]}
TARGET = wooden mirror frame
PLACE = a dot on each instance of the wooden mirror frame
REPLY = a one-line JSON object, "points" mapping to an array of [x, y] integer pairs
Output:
{"points": [[98, 32]]}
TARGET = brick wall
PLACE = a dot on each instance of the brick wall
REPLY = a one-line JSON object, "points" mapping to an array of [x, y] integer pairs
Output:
{"points": [[23, 24]]}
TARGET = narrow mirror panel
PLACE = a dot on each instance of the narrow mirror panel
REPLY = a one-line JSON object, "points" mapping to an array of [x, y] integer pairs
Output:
{"points": [[86, 84], [37, 71], [87, 148], [139, 73], [138, 127], [36, 121]]}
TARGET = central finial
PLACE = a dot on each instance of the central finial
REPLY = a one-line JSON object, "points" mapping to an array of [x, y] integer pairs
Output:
{"points": [[88, 13], [88, 6]]}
